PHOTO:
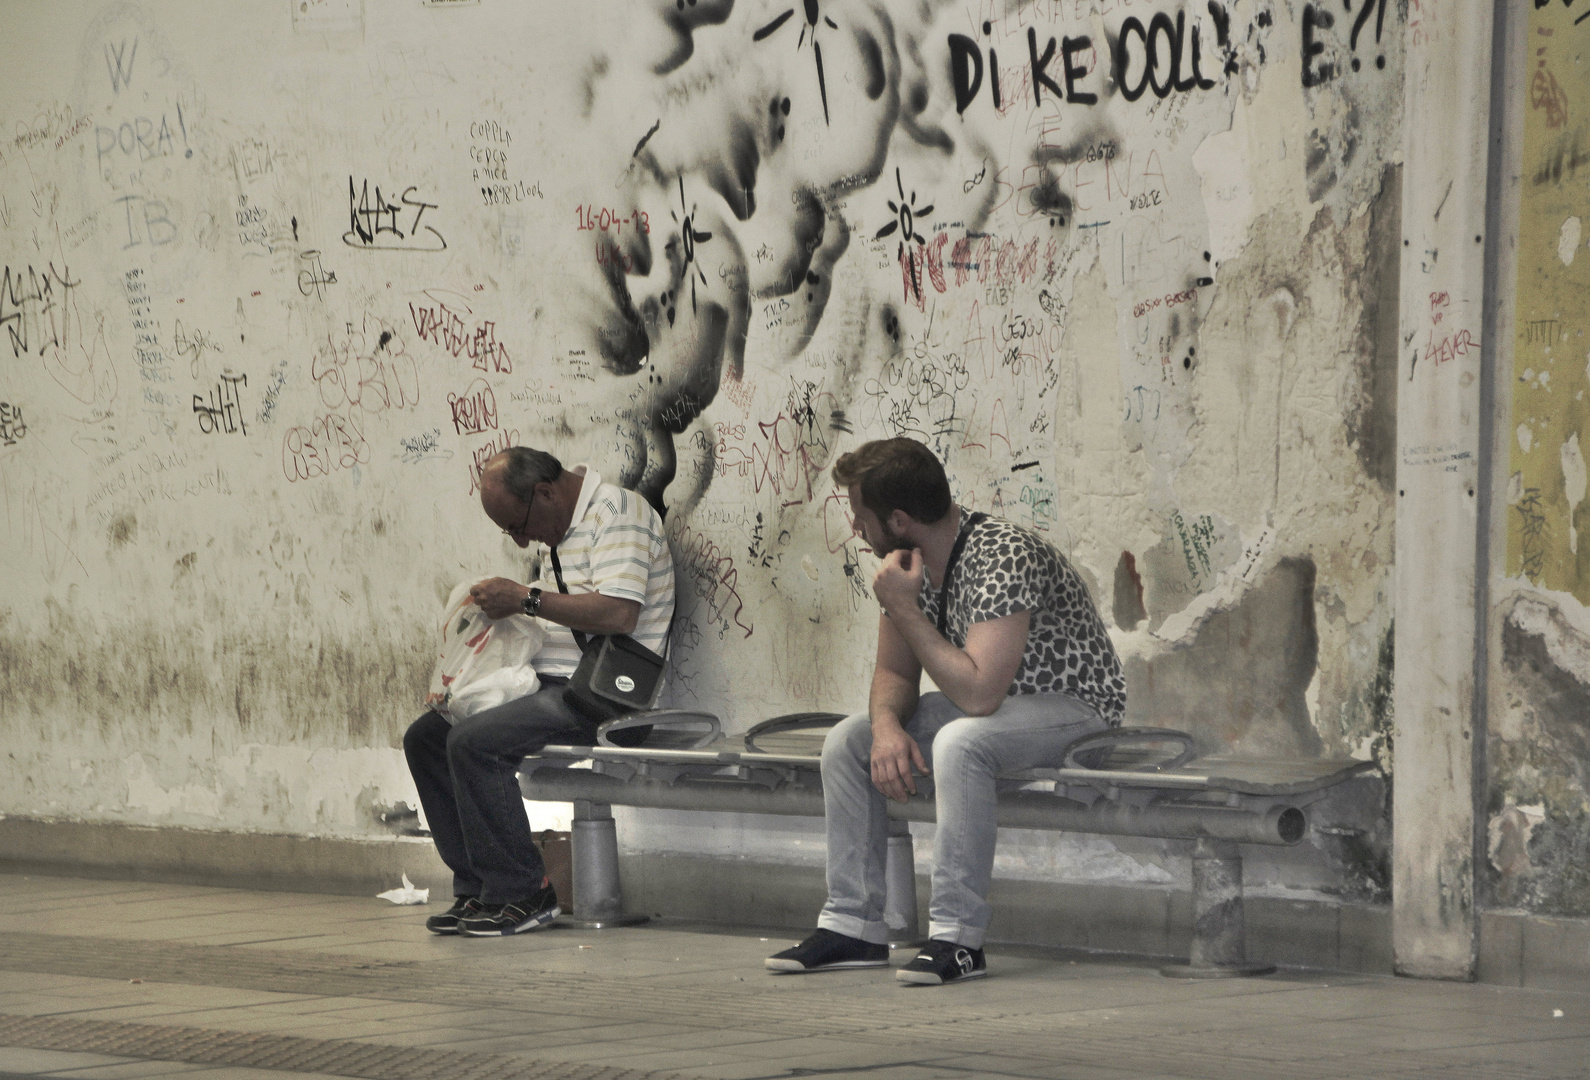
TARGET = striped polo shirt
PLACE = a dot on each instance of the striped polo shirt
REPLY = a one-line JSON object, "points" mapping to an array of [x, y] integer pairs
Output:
{"points": [[615, 547]]}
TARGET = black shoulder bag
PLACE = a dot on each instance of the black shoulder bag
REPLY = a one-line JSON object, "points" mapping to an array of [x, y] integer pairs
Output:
{"points": [[617, 674], [949, 570]]}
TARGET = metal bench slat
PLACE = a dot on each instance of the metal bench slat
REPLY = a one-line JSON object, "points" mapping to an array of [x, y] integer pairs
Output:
{"points": [[1244, 776]]}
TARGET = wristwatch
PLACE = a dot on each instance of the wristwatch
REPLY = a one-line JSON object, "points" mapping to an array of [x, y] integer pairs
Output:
{"points": [[532, 603]]}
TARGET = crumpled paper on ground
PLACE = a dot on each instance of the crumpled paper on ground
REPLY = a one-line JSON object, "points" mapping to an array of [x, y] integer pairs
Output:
{"points": [[408, 894]]}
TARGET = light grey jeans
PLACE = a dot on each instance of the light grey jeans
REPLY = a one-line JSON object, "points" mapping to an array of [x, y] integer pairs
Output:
{"points": [[965, 754]]}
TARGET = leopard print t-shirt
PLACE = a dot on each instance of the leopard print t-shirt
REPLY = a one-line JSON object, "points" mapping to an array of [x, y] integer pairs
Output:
{"points": [[1004, 569]]}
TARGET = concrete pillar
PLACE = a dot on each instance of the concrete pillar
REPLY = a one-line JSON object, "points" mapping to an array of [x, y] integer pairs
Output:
{"points": [[899, 908], [1220, 936], [1442, 457], [598, 898]]}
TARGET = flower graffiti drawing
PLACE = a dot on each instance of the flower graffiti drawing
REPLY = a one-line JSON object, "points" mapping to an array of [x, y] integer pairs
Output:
{"points": [[906, 215]]}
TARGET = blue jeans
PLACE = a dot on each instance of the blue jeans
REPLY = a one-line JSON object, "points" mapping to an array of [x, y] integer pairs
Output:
{"points": [[966, 754], [467, 776]]}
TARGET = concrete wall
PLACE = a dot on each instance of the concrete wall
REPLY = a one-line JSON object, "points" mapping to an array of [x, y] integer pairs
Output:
{"points": [[280, 276]]}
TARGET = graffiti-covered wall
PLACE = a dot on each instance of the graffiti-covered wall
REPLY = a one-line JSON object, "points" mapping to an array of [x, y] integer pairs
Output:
{"points": [[279, 277]]}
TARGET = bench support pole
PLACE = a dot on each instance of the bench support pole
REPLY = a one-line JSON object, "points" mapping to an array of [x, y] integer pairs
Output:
{"points": [[1219, 949], [598, 900], [899, 908]]}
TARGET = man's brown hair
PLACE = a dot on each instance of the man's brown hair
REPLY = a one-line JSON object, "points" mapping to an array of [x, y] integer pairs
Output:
{"points": [[897, 474]]}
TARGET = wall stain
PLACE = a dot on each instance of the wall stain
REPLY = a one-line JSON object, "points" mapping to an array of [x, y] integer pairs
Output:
{"points": [[123, 530], [1129, 609], [1372, 412], [150, 676]]}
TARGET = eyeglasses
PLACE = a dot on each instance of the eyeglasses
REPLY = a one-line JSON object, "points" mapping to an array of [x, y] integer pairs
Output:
{"points": [[525, 524]]}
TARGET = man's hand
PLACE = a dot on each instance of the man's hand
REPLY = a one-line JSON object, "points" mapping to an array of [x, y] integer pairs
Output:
{"points": [[899, 580], [894, 755], [499, 597]]}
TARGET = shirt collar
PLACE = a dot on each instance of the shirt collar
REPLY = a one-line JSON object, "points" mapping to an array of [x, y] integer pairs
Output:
{"points": [[593, 479]]}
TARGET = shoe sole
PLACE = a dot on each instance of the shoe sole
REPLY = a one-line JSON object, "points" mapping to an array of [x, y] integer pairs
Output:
{"points": [[795, 967], [444, 930], [535, 922], [927, 978]]}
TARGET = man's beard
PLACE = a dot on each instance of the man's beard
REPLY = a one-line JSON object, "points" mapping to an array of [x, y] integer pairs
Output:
{"points": [[892, 542]]}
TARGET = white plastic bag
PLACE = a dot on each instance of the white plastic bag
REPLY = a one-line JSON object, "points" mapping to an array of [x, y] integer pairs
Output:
{"points": [[482, 662]]}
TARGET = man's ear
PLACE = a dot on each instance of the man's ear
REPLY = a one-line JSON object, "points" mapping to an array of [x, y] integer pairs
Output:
{"points": [[900, 521]]}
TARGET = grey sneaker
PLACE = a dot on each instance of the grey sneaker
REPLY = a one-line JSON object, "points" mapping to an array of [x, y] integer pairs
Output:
{"points": [[519, 917], [826, 950], [941, 962], [447, 922]]}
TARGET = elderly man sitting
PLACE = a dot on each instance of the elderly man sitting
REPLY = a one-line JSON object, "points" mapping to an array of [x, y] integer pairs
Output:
{"points": [[608, 548]]}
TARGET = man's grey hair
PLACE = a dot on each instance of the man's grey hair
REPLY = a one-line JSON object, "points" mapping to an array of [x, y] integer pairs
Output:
{"points": [[522, 468]]}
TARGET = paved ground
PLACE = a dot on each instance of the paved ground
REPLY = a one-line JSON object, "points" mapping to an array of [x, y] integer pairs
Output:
{"points": [[124, 979]]}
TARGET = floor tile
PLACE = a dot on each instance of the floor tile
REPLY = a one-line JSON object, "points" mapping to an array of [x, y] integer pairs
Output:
{"points": [[22, 1060], [130, 1070], [694, 1000]]}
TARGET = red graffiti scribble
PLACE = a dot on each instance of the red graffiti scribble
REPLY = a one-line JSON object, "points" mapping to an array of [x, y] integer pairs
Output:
{"points": [[1545, 93], [441, 325], [475, 409], [933, 257], [1450, 347], [330, 443], [839, 528], [715, 577], [911, 278], [588, 217], [1169, 300], [482, 454], [784, 454], [961, 260], [738, 391], [1002, 187], [981, 256], [998, 420], [788, 463], [610, 254]]}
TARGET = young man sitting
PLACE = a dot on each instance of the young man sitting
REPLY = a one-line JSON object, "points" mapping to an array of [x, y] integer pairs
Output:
{"points": [[1007, 631]]}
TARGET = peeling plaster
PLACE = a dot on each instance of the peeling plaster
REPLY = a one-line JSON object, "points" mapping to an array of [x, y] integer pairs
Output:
{"points": [[1509, 834], [1238, 677], [1539, 758], [1573, 485], [1568, 240]]}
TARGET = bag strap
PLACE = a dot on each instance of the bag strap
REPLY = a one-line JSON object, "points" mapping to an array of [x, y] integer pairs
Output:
{"points": [[579, 638], [557, 572], [949, 567]]}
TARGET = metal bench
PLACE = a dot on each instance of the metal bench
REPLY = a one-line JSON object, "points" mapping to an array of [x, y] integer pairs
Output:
{"points": [[1123, 782]]}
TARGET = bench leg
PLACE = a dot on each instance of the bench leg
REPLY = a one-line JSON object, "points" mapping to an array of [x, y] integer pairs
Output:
{"points": [[1219, 942], [899, 876], [598, 900]]}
